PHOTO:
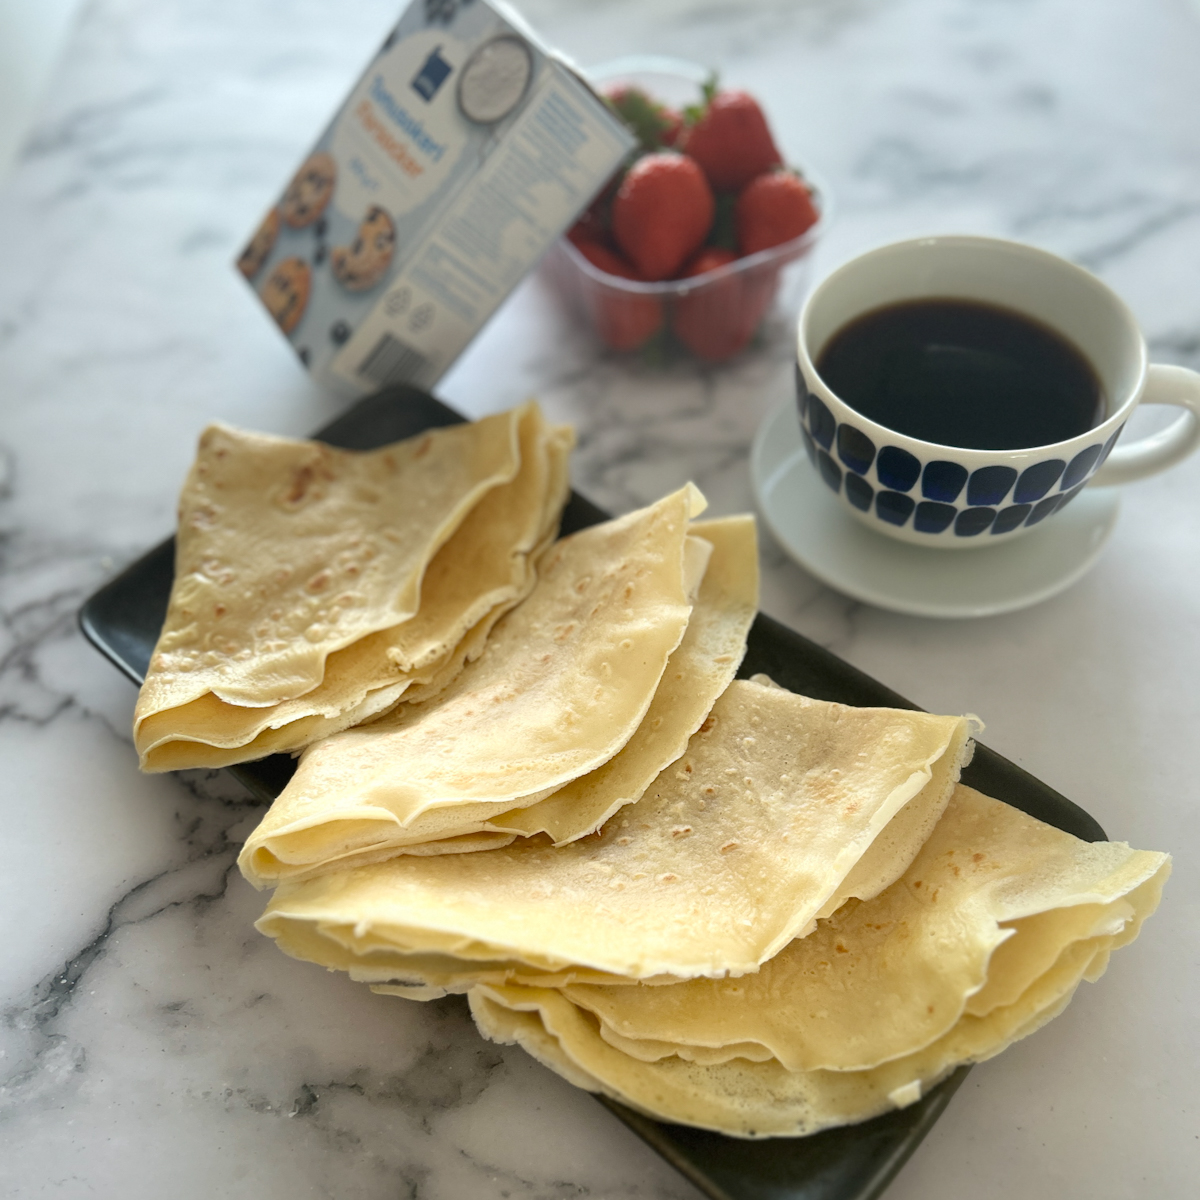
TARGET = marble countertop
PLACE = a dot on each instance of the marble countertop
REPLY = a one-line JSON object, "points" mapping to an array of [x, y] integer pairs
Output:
{"points": [[152, 1043]]}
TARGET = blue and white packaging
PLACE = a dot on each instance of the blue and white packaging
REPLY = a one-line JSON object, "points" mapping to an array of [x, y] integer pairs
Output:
{"points": [[465, 149]]}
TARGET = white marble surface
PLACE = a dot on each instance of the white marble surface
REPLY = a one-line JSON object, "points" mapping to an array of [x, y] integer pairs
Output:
{"points": [[31, 37], [152, 1044]]}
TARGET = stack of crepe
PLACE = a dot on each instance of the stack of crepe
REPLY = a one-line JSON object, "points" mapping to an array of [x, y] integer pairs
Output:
{"points": [[531, 777], [982, 940], [779, 811], [582, 695], [803, 923], [316, 588]]}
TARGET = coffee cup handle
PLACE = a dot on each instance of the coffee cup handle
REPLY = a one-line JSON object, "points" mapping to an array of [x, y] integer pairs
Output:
{"points": [[1149, 455]]}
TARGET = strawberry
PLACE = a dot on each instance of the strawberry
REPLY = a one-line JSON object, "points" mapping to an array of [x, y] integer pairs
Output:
{"points": [[661, 213], [710, 258], [719, 318], [589, 228], [655, 124], [593, 223], [623, 319], [730, 140], [771, 210]]}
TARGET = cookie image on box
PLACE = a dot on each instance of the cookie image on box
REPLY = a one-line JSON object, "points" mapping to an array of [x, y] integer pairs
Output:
{"points": [[285, 293], [363, 263], [251, 260], [310, 191]]}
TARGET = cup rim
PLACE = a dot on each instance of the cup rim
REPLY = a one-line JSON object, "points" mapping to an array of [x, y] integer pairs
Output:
{"points": [[1101, 431]]}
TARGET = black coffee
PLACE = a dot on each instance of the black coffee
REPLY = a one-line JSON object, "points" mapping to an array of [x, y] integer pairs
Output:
{"points": [[962, 373]]}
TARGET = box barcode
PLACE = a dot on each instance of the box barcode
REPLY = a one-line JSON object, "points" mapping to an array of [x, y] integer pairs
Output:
{"points": [[393, 361]]}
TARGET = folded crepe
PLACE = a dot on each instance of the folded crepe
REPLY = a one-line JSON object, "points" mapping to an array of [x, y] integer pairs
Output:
{"points": [[482, 570], [289, 551], [562, 684], [697, 672], [749, 1099], [986, 907], [733, 851], [983, 940]]}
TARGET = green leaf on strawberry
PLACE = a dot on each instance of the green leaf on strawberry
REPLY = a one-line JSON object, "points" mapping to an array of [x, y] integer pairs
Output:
{"points": [[724, 228], [653, 124], [695, 112]]}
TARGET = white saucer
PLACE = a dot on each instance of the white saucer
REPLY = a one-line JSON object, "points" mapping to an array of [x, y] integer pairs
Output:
{"points": [[813, 527]]}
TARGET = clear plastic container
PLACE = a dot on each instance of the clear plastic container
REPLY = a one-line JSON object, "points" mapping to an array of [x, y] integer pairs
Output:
{"points": [[713, 316]]}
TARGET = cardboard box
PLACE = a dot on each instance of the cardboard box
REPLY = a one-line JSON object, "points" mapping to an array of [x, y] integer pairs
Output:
{"points": [[465, 149]]}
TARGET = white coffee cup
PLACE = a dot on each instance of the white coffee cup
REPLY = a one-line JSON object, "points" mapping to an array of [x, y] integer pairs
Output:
{"points": [[950, 497]]}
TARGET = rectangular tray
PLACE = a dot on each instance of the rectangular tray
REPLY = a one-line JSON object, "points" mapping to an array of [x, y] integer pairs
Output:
{"points": [[856, 1162]]}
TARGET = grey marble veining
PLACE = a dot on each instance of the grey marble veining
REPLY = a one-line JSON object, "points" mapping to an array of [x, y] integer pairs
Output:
{"points": [[151, 1042]]}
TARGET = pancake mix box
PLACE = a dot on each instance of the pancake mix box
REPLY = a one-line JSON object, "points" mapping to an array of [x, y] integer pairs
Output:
{"points": [[464, 150]]}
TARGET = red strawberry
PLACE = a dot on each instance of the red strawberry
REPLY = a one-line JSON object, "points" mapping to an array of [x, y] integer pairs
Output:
{"points": [[622, 319], [589, 228], [671, 135], [718, 319], [773, 209], [731, 141], [661, 213], [592, 224]]}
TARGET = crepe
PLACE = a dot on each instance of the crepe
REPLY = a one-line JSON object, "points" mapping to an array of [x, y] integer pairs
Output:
{"points": [[561, 443], [430, 975], [989, 905], [288, 551], [898, 843], [562, 684], [730, 854], [698, 671], [701, 668], [484, 569], [982, 941], [761, 1099]]}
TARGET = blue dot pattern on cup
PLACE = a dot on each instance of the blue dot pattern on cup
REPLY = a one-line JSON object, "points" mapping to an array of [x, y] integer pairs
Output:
{"points": [[859, 492], [820, 423], [932, 517], [855, 449], [894, 485], [894, 507], [1037, 480], [897, 469], [830, 471], [989, 485], [942, 481]]}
